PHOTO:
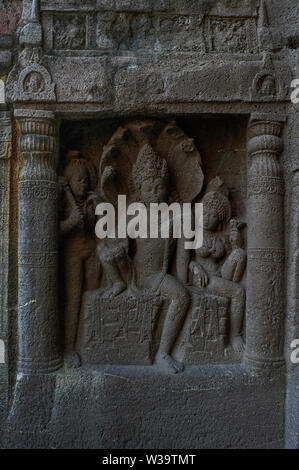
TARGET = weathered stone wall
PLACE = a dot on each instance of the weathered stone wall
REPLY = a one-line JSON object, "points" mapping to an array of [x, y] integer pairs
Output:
{"points": [[141, 344]]}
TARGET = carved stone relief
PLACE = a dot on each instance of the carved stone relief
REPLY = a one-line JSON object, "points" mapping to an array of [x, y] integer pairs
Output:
{"points": [[231, 35], [30, 79], [214, 330], [157, 32], [132, 301], [78, 239], [69, 32], [149, 99]]}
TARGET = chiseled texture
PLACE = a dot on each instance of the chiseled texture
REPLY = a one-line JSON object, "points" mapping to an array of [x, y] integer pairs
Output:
{"points": [[139, 343]]}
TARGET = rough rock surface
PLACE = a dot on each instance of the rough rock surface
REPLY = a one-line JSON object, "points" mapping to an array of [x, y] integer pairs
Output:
{"points": [[140, 343]]}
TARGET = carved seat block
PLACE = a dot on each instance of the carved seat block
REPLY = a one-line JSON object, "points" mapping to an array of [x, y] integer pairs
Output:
{"points": [[117, 330], [206, 329]]}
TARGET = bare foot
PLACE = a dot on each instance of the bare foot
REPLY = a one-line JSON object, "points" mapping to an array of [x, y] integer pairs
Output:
{"points": [[118, 288], [72, 360], [114, 290], [237, 344], [169, 364]]}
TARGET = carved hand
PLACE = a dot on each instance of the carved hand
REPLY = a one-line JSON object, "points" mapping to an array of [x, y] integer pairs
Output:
{"points": [[201, 275], [235, 235], [93, 199], [76, 219], [218, 249]]}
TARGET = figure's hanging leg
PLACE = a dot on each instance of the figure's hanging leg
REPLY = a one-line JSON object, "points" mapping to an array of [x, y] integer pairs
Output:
{"points": [[74, 283], [117, 284], [175, 316], [236, 294], [236, 319]]}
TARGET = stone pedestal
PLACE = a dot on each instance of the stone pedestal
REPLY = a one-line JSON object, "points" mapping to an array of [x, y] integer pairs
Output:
{"points": [[117, 330], [140, 408], [206, 331]]}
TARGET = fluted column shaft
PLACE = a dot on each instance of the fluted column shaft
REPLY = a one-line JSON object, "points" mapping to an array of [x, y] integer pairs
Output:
{"points": [[38, 326], [265, 281]]}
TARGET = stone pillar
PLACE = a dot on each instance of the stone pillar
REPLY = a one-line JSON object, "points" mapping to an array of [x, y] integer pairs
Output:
{"points": [[5, 158], [38, 322], [265, 278]]}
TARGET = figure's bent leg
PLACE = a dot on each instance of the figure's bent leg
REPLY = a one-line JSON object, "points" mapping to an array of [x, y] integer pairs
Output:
{"points": [[74, 282], [234, 267], [237, 311], [179, 301], [117, 284], [236, 294]]}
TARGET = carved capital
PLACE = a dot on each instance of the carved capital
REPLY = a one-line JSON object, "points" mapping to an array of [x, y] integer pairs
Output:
{"points": [[264, 147], [37, 144], [36, 122], [5, 136]]}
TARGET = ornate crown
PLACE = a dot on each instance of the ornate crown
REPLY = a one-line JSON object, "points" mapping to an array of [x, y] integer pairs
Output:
{"points": [[149, 165]]}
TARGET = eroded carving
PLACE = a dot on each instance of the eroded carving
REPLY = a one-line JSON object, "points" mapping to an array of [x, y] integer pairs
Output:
{"points": [[219, 264], [77, 231], [151, 178], [141, 161], [133, 164], [267, 84], [233, 35], [30, 80], [143, 31], [118, 330], [69, 32]]}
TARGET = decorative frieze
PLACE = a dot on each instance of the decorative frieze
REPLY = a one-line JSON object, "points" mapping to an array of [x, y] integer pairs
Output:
{"points": [[270, 255], [265, 185], [37, 190], [69, 32], [149, 32], [37, 259], [231, 35]]}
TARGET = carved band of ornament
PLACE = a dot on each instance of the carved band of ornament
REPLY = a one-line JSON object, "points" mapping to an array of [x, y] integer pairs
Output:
{"points": [[261, 128], [5, 133], [38, 126], [267, 143], [30, 364], [264, 166], [5, 148], [38, 190], [38, 259], [271, 255], [265, 185], [37, 143], [5, 121], [265, 362]]}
